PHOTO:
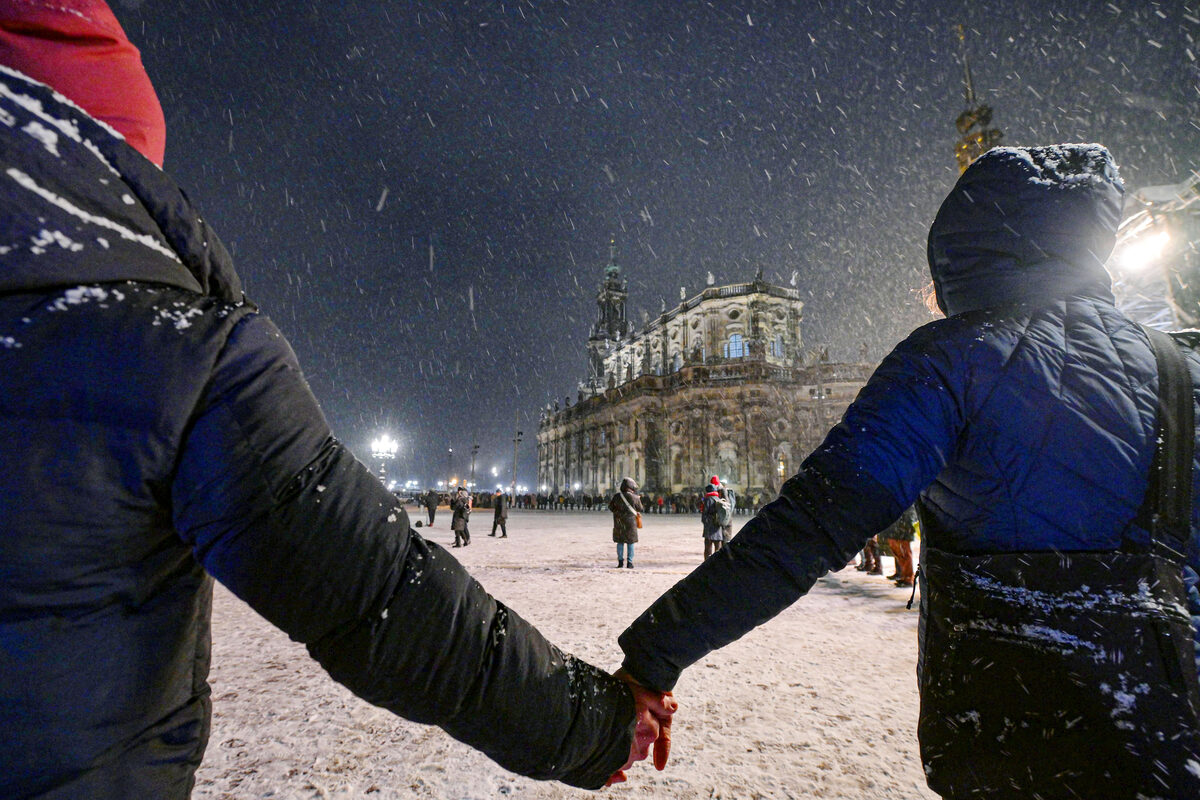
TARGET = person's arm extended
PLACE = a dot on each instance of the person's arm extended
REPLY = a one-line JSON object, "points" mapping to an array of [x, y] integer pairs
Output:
{"points": [[284, 515], [891, 443]]}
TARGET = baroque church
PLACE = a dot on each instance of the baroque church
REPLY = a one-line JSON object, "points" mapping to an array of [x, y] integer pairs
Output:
{"points": [[718, 385]]}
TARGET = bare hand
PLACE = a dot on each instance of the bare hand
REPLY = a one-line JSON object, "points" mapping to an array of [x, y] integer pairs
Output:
{"points": [[653, 728]]}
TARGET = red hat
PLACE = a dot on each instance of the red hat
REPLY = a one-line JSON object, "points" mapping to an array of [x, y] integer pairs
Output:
{"points": [[78, 48], [714, 480]]}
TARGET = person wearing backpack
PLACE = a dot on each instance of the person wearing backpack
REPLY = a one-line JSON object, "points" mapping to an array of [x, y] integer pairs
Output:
{"points": [[711, 518], [727, 504], [1048, 441]]}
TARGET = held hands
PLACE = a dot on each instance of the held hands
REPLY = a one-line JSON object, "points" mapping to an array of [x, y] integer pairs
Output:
{"points": [[654, 711]]}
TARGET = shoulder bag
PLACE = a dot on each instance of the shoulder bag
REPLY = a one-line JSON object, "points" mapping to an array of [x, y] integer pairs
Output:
{"points": [[636, 514]]}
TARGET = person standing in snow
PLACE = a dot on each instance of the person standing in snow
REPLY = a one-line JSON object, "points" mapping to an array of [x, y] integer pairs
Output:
{"points": [[461, 505], [710, 527], [869, 558], [1056, 656], [500, 514], [430, 501], [626, 508], [158, 434], [899, 538], [730, 497]]}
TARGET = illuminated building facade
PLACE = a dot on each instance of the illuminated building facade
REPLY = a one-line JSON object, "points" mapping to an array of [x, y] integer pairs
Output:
{"points": [[718, 385]]}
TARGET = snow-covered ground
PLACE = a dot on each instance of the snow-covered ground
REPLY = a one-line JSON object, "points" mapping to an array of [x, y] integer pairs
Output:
{"points": [[819, 702]]}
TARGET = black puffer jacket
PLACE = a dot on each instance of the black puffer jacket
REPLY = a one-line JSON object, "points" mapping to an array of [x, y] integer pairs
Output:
{"points": [[157, 431]]}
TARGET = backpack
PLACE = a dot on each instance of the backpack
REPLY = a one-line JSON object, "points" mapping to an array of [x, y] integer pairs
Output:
{"points": [[724, 512]]}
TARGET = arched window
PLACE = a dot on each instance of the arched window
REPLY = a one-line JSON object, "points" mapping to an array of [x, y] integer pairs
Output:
{"points": [[735, 347], [777, 345]]}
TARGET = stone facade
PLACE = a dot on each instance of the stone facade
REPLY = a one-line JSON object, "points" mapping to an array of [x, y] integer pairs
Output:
{"points": [[718, 385]]}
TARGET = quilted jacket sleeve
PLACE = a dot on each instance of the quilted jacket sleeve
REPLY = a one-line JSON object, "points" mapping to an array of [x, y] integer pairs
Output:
{"points": [[892, 441], [283, 515]]}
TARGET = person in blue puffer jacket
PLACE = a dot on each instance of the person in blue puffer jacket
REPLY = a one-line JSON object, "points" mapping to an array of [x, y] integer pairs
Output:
{"points": [[1023, 421], [158, 433]]}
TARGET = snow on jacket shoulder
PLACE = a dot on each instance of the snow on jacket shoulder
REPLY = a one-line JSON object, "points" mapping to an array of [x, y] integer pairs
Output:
{"points": [[158, 431]]}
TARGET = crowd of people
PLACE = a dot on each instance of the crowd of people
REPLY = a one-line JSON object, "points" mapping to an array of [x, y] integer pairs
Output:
{"points": [[716, 507], [654, 502]]}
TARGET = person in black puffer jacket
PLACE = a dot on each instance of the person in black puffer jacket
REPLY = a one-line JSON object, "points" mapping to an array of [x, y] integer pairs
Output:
{"points": [[460, 522], [1023, 423], [158, 433]]}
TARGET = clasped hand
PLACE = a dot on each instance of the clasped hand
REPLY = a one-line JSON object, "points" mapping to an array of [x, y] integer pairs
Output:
{"points": [[654, 710]]}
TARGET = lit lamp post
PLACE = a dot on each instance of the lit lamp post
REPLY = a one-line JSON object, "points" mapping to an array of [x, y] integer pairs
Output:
{"points": [[384, 448], [516, 444], [449, 464]]}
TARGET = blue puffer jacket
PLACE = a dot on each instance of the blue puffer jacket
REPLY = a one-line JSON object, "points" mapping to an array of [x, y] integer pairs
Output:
{"points": [[1024, 421], [156, 431]]}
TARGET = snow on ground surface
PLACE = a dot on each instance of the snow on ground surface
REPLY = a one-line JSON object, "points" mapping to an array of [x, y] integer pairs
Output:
{"points": [[819, 702]]}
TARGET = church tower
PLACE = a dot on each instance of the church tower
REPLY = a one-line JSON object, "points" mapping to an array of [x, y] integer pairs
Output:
{"points": [[976, 137], [611, 325]]}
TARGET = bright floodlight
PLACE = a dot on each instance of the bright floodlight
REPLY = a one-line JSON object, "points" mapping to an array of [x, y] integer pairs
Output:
{"points": [[384, 447], [1144, 251]]}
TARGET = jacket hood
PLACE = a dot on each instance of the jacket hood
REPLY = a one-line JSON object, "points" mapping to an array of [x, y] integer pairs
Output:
{"points": [[1026, 224], [79, 205], [79, 48], [628, 484]]}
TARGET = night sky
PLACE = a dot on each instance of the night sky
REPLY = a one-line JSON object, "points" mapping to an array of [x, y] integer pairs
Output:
{"points": [[332, 145]]}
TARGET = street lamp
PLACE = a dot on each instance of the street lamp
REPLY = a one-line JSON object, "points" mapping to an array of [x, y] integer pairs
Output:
{"points": [[449, 464], [384, 448], [474, 451], [516, 444]]}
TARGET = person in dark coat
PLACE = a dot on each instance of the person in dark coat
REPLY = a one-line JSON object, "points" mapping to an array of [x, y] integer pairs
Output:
{"points": [[430, 501], [626, 508], [730, 497], [1025, 421], [500, 514], [159, 433], [711, 529], [459, 523]]}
